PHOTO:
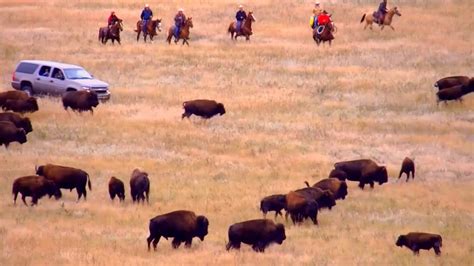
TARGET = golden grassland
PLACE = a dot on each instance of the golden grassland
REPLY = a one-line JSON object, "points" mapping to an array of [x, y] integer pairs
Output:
{"points": [[293, 110]]}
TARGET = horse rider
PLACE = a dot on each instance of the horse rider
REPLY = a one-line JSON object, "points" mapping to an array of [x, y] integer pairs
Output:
{"points": [[240, 17], [146, 16], [381, 12], [313, 20], [179, 21], [112, 19]]}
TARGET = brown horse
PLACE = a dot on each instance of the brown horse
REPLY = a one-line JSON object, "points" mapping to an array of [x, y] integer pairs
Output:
{"points": [[183, 34], [324, 33], [246, 28], [151, 27], [386, 21], [113, 33]]}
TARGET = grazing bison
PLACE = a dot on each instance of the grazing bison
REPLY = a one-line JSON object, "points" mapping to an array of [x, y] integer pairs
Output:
{"points": [[452, 81], [408, 166], [258, 233], [116, 188], [80, 100], [325, 199], [139, 186], [181, 225], [10, 133], [416, 241], [341, 175], [203, 108], [66, 177], [454, 93], [18, 120], [12, 95], [34, 187], [365, 171], [337, 187], [29, 105], [273, 203], [299, 206]]}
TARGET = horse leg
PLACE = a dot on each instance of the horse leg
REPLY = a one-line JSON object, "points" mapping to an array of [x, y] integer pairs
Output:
{"points": [[382, 27], [138, 35], [232, 35], [391, 27]]}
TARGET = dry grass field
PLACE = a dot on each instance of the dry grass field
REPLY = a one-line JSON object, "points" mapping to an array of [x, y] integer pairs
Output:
{"points": [[293, 110]]}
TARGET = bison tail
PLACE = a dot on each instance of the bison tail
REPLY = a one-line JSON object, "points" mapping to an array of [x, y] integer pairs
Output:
{"points": [[89, 182], [307, 184], [362, 19]]}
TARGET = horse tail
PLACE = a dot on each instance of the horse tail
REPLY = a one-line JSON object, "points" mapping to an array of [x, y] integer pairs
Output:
{"points": [[100, 33], [362, 19]]}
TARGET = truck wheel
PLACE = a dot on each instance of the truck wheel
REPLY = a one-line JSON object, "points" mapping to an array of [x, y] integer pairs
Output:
{"points": [[28, 89]]}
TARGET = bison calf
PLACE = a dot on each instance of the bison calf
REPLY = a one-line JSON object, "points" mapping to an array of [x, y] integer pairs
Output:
{"points": [[80, 100], [116, 188], [408, 166], [452, 81], [17, 120], [301, 207], [182, 225], [274, 203], [10, 133], [454, 93], [34, 187], [21, 106], [203, 108], [258, 233], [139, 186], [416, 241]]}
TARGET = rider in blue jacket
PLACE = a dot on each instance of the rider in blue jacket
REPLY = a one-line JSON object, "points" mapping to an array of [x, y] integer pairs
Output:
{"points": [[179, 21], [146, 16], [240, 17]]}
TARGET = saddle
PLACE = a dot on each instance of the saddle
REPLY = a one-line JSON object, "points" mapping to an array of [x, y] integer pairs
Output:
{"points": [[378, 18]]}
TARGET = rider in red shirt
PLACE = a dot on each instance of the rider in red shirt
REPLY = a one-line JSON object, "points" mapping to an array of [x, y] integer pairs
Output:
{"points": [[112, 19]]}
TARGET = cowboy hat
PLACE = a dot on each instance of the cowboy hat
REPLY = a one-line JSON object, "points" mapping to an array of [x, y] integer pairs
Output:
{"points": [[180, 9], [146, 5]]}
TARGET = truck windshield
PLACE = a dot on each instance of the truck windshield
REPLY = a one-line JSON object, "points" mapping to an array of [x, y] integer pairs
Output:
{"points": [[77, 73]]}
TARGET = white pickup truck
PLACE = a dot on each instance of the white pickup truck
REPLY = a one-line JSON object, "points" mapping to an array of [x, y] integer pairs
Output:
{"points": [[53, 78]]}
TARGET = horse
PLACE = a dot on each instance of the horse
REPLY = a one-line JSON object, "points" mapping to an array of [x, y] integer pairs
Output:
{"points": [[113, 33], [386, 21], [150, 29], [245, 30], [324, 33], [183, 34]]}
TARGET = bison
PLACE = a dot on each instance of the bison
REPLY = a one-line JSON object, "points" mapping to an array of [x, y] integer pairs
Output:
{"points": [[365, 171], [34, 187], [18, 120], [29, 105], [10, 133], [416, 241], [341, 175], [67, 177], [116, 188], [452, 81], [139, 186], [325, 199], [203, 108], [408, 166], [80, 100], [12, 95], [338, 188], [182, 225], [454, 93], [299, 206], [258, 233], [273, 203]]}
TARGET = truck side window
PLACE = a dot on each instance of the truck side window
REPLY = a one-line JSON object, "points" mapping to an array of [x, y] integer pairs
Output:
{"points": [[44, 71], [58, 74]]}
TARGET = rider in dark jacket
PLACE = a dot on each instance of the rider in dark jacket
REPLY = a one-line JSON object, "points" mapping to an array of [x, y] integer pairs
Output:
{"points": [[146, 16], [179, 21], [112, 19], [382, 11], [240, 17]]}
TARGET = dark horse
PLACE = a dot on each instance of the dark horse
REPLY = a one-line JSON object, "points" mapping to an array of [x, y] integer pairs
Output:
{"points": [[183, 34], [151, 27], [324, 33], [246, 28], [113, 33]]}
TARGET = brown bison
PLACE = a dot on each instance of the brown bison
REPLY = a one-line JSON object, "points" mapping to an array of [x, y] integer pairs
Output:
{"points": [[365, 171], [452, 81], [12, 95], [416, 241], [203, 108], [299, 206], [337, 187], [454, 93], [408, 166], [324, 198], [29, 105], [258, 233], [80, 100], [139, 186], [10, 133], [66, 177], [341, 175], [116, 188], [34, 187], [18, 120], [274, 203], [183, 226]]}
